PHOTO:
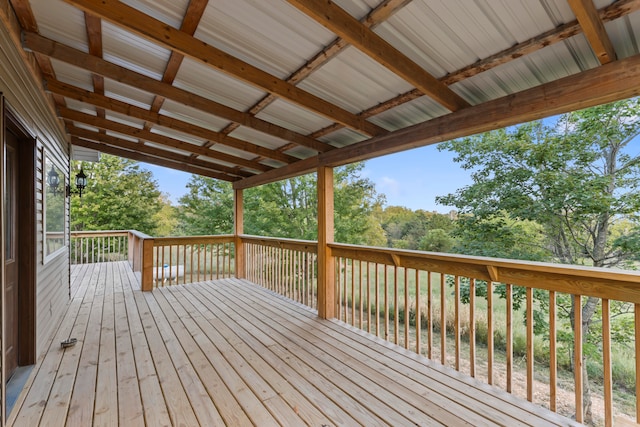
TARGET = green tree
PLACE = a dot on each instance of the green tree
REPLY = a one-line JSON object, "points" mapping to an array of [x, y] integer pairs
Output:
{"points": [[576, 179], [119, 196], [289, 208], [436, 240], [286, 208], [166, 218], [207, 209], [407, 229]]}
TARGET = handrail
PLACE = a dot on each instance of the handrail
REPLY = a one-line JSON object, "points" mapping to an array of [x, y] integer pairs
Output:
{"points": [[281, 242], [590, 281]]}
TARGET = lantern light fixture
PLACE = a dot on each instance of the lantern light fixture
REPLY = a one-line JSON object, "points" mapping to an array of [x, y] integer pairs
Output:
{"points": [[53, 181]]}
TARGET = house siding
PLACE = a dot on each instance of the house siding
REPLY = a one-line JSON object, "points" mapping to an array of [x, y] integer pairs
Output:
{"points": [[28, 103]]}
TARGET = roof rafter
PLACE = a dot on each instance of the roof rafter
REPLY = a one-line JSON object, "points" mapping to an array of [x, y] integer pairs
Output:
{"points": [[190, 22], [135, 155], [614, 11], [101, 101], [138, 22], [154, 151], [350, 29], [593, 28], [147, 135], [75, 57], [378, 15], [607, 83]]}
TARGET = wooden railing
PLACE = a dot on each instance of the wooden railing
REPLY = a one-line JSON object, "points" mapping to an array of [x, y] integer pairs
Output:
{"points": [[288, 267], [477, 315], [182, 260], [415, 299], [98, 246]]}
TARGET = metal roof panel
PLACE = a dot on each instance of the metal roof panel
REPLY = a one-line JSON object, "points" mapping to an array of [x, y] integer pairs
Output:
{"points": [[217, 86]]}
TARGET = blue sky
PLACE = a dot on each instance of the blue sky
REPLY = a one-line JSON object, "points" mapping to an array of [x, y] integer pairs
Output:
{"points": [[412, 178]]}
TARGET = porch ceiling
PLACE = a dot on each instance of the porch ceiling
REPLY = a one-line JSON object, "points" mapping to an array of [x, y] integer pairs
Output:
{"points": [[252, 92]]}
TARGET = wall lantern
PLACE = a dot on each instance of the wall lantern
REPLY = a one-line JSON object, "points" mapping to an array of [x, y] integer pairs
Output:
{"points": [[81, 181], [53, 180]]}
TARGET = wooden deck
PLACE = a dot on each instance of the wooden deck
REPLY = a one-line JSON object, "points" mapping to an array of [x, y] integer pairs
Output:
{"points": [[230, 352]]}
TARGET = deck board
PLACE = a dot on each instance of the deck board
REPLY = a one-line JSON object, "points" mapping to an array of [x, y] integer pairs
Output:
{"points": [[230, 352]]}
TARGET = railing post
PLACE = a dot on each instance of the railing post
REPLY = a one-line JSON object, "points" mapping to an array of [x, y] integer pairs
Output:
{"points": [[147, 265], [238, 221], [131, 249], [326, 266]]}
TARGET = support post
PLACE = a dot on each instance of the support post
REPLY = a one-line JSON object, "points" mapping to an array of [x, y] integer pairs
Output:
{"points": [[326, 265], [238, 230], [147, 265]]}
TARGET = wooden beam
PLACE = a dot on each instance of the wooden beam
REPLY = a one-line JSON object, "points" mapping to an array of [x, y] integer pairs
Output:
{"points": [[190, 23], [607, 83], [147, 135], [22, 9], [132, 19], [78, 94], [594, 30], [326, 265], [350, 29], [232, 173], [135, 155], [379, 14], [61, 52]]}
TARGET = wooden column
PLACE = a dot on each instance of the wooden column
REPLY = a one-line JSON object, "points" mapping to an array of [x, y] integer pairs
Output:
{"points": [[326, 265], [147, 265], [238, 230]]}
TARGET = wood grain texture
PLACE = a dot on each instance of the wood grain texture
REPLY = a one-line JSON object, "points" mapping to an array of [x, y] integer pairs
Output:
{"points": [[231, 352], [164, 35], [594, 30]]}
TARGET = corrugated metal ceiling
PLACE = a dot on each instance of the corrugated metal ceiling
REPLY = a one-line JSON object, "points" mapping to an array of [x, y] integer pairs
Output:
{"points": [[441, 36]]}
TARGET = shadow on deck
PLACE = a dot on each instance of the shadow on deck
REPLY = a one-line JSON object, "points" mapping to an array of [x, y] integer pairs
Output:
{"points": [[230, 352]]}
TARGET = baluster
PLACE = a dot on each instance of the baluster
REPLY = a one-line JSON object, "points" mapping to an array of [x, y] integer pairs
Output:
{"points": [[353, 292], [636, 321], [443, 320], [386, 302], [530, 360], [377, 298], [490, 332], [361, 295], [418, 316], [472, 327], [406, 308], [577, 353], [456, 319], [396, 309], [606, 363], [509, 336], [429, 317], [553, 354]]}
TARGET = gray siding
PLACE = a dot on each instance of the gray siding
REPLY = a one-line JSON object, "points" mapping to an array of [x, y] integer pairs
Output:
{"points": [[29, 104]]}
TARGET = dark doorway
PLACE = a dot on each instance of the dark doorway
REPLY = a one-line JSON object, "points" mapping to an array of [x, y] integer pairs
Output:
{"points": [[20, 247]]}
